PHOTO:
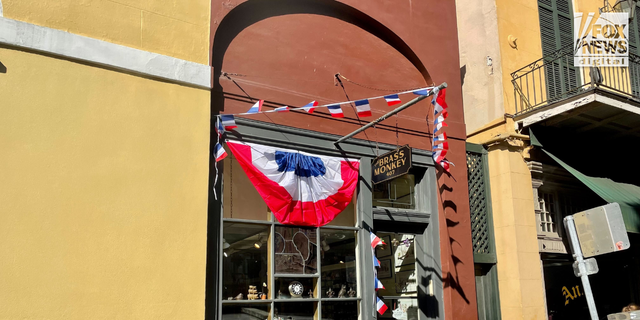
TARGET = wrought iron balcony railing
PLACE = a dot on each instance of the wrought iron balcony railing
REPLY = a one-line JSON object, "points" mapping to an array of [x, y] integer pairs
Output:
{"points": [[554, 78]]}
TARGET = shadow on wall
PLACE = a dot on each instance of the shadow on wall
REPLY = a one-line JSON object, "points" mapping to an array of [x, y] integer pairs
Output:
{"points": [[3, 68], [451, 279]]}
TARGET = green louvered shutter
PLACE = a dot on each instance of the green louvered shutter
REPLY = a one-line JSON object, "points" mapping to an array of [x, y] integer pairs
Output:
{"points": [[556, 32]]}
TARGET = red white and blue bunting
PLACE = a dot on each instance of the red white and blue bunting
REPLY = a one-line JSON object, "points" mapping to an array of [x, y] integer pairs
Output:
{"points": [[440, 145], [376, 241]]}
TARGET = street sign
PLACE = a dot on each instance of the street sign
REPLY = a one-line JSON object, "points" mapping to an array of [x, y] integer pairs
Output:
{"points": [[601, 230], [391, 165]]}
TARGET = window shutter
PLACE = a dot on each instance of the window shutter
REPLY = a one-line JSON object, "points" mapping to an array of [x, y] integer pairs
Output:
{"points": [[556, 32]]}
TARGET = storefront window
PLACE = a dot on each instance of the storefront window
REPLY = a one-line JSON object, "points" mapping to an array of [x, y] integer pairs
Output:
{"points": [[287, 272], [241, 199], [245, 260], [400, 192], [296, 250]]}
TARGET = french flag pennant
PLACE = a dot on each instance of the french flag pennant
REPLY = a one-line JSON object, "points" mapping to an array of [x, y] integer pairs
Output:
{"points": [[444, 145], [376, 262], [439, 154], [438, 100], [228, 121], [363, 108], [440, 138], [219, 128], [375, 241], [421, 92], [378, 284], [392, 99], [220, 152], [282, 109], [439, 126], [336, 111], [256, 107], [446, 165], [382, 308], [309, 107]]}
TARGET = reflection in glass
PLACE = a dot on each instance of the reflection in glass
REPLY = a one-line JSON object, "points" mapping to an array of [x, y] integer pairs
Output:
{"points": [[397, 270], [244, 260], [282, 290], [296, 250], [338, 263], [404, 308], [347, 310], [246, 311], [396, 193], [297, 311]]}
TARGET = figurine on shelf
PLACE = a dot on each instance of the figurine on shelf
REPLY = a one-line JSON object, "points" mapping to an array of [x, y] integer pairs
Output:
{"points": [[252, 294], [230, 298], [342, 291], [310, 293], [330, 293], [351, 293], [239, 297], [280, 295]]}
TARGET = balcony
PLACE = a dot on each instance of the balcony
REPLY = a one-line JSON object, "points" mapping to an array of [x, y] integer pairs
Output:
{"points": [[554, 79]]}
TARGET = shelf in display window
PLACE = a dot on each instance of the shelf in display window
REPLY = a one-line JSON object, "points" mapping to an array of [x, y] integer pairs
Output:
{"points": [[287, 275], [339, 266]]}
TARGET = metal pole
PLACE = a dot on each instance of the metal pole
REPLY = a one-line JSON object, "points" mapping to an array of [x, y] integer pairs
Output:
{"points": [[570, 226], [400, 108]]}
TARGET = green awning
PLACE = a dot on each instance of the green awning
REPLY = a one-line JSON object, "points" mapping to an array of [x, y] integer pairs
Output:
{"points": [[626, 195]]}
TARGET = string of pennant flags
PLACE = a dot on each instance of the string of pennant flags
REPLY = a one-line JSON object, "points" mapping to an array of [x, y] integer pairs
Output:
{"points": [[362, 107], [440, 145], [376, 241]]}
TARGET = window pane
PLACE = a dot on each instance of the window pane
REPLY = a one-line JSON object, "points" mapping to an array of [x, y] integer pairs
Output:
{"points": [[295, 310], [397, 270], [347, 310], [404, 309], [296, 250], [245, 259], [285, 288], [248, 311], [396, 193], [347, 218], [338, 262], [241, 199]]}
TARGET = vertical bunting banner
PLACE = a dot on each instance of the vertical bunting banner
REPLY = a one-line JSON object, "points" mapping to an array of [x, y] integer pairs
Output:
{"points": [[440, 145], [376, 241]]}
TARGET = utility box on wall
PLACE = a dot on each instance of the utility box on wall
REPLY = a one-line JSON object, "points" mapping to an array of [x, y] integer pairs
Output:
{"points": [[601, 230]]}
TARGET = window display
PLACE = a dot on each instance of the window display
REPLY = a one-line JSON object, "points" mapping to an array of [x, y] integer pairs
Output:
{"points": [[338, 263], [244, 261], [296, 250]]}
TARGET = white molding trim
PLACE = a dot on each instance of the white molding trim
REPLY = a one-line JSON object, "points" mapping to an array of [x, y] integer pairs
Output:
{"points": [[59, 43], [546, 113], [1, 8]]}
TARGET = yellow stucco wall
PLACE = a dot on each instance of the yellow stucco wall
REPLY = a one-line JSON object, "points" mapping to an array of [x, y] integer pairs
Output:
{"points": [[175, 28], [103, 200], [519, 270]]}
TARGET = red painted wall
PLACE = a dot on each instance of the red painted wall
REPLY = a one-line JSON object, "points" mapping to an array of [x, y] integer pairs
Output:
{"points": [[287, 52]]}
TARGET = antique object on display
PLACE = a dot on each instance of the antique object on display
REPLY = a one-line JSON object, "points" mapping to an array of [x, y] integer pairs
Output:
{"points": [[263, 296], [342, 291], [351, 293], [330, 293], [296, 289], [239, 297], [252, 294], [310, 293], [279, 294]]}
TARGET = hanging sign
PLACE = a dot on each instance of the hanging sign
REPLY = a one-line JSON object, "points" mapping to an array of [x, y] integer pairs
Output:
{"points": [[391, 165]]}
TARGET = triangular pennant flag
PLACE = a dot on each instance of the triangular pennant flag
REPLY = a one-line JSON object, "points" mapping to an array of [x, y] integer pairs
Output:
{"points": [[282, 109], [439, 125], [422, 92], [375, 241], [228, 121], [256, 107], [309, 107], [440, 138], [219, 128], [363, 108], [392, 99], [378, 285], [220, 152], [380, 306], [336, 111], [443, 145], [439, 102], [439, 154]]}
